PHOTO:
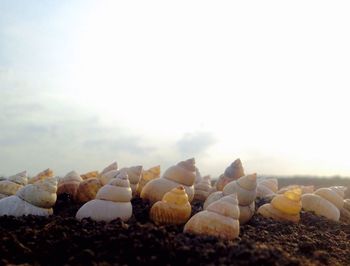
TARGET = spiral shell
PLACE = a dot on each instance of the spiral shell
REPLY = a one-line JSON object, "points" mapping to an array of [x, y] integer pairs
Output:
{"points": [[42, 175], [181, 174], [202, 189], [220, 219], [112, 166], [146, 176], [173, 209], [92, 174], [8, 188], [112, 201], [325, 202], [267, 187], [106, 177], [283, 207], [87, 190], [134, 174], [233, 172], [304, 189], [20, 178], [69, 184]]}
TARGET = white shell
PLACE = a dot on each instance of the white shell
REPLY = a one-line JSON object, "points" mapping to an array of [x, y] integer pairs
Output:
{"points": [[244, 187], [320, 206], [15, 206]]}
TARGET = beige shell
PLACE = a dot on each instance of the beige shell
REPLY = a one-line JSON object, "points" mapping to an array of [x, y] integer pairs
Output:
{"points": [[246, 213], [219, 220], [92, 174], [42, 175], [212, 197], [202, 189], [15, 206], [347, 204], [174, 208], [87, 190], [20, 178], [69, 184], [233, 172], [106, 177], [320, 206], [267, 187], [40, 194], [268, 211], [146, 176], [340, 190], [181, 174], [8, 188], [134, 174], [112, 166], [112, 201], [198, 176], [244, 187], [332, 196]]}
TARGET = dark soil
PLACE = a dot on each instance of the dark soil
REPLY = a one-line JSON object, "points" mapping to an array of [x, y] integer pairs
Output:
{"points": [[61, 239]]}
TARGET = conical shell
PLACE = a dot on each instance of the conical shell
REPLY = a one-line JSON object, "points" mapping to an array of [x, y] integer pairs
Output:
{"points": [[112, 166], [331, 195], [268, 211], [219, 220], [246, 213], [146, 176], [42, 175], [173, 209], [340, 190], [233, 172], [106, 177], [15, 206], [267, 187], [134, 174], [87, 190], [8, 188], [112, 202], [304, 189], [288, 203], [41, 194], [20, 178], [320, 206], [245, 187], [181, 174], [69, 184], [212, 197], [202, 189], [92, 174]]}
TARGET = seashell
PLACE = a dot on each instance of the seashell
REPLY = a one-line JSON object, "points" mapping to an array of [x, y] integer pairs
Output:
{"points": [[285, 207], [198, 176], [340, 190], [181, 174], [112, 201], [246, 213], [32, 199], [220, 219], [69, 184], [202, 189], [42, 175], [244, 187], [174, 208], [304, 189], [8, 188], [112, 166], [212, 198], [146, 176], [20, 178], [233, 172], [134, 174], [325, 202], [347, 204], [92, 174], [106, 177], [87, 190], [267, 187]]}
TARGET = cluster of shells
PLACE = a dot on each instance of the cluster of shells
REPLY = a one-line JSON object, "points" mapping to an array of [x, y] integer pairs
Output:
{"points": [[227, 203]]}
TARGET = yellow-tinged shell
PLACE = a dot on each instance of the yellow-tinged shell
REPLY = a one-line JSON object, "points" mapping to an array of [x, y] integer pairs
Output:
{"points": [[320, 206], [42, 175], [202, 189], [8, 188], [289, 202], [267, 187], [268, 211], [92, 174], [181, 174], [146, 176], [232, 172], [112, 201], [304, 189], [41, 194], [244, 187], [219, 220], [69, 184], [173, 209], [112, 166], [20, 178], [87, 190]]}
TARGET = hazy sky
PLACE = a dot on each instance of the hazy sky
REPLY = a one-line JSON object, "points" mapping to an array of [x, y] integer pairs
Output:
{"points": [[84, 83]]}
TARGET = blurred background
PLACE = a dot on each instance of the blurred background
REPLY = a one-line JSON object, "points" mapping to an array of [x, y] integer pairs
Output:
{"points": [[84, 83]]}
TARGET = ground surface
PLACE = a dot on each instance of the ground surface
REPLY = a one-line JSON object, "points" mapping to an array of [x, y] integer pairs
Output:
{"points": [[61, 239]]}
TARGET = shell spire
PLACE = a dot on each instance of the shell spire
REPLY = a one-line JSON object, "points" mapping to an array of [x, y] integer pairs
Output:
{"points": [[134, 173], [112, 166], [12, 184], [202, 189], [146, 176], [42, 175], [220, 219], [267, 187], [232, 172], [69, 184]]}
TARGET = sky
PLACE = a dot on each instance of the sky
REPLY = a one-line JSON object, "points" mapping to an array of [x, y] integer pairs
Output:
{"points": [[85, 83]]}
